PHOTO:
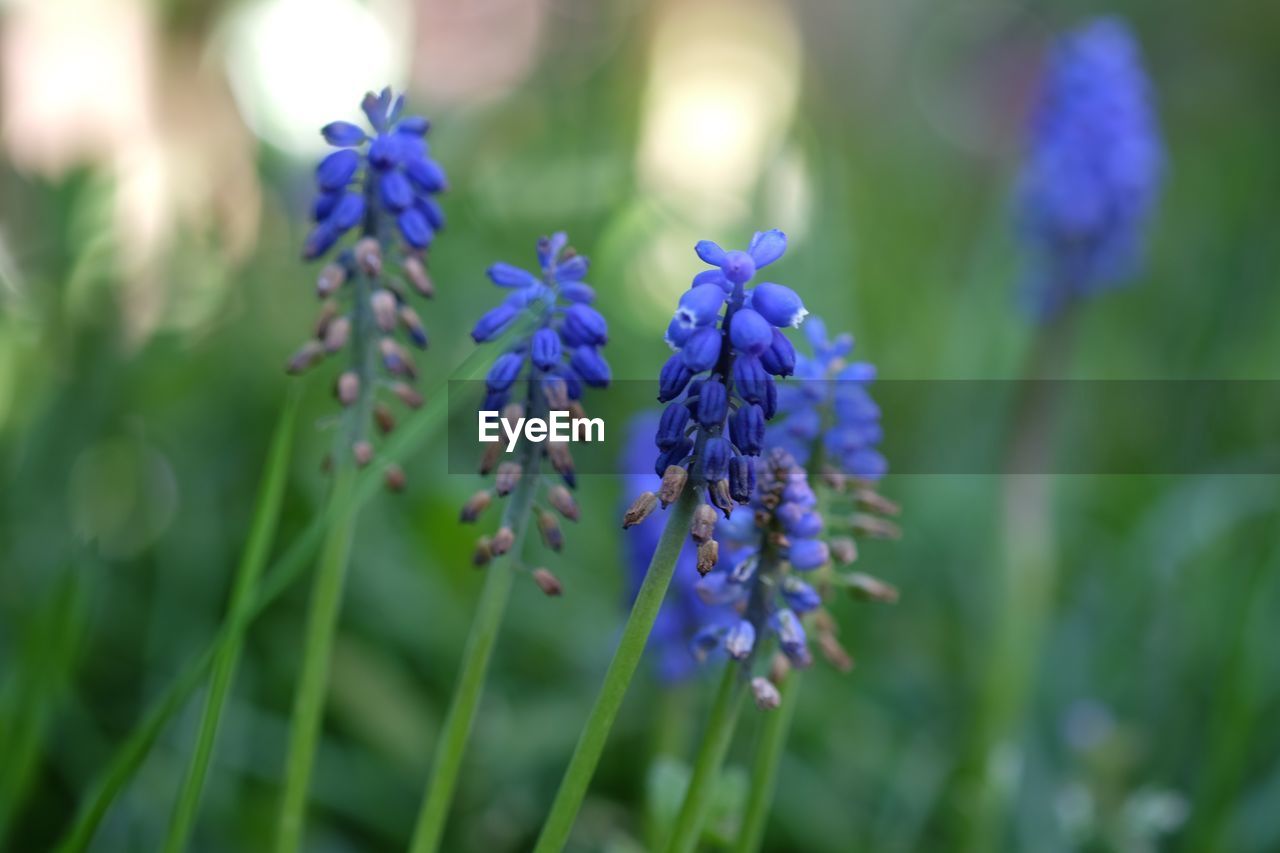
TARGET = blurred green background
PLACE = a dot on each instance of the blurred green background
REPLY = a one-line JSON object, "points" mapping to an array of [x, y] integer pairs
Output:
{"points": [[154, 183]]}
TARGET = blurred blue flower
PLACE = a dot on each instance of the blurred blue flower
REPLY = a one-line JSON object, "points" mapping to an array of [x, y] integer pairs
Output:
{"points": [[1093, 168]]}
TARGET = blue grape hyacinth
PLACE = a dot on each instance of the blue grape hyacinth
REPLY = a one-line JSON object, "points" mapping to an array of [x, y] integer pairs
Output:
{"points": [[1092, 172], [545, 368], [378, 188]]}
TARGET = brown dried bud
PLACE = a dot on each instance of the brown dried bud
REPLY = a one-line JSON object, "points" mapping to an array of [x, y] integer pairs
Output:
{"points": [[547, 582], [348, 387], [575, 409], [640, 509], [407, 394], [556, 392], [489, 458], [718, 492], [330, 279], [416, 272], [384, 310], [549, 528], [394, 478], [708, 556], [502, 541], [337, 333], [703, 524], [512, 412], [868, 588], [868, 498], [766, 694], [835, 480], [306, 357], [561, 458], [673, 480], [363, 453], [843, 550], [413, 324], [328, 310], [508, 477], [475, 505], [383, 418], [875, 527], [834, 652], [396, 359], [558, 496], [369, 257], [483, 552], [779, 668]]}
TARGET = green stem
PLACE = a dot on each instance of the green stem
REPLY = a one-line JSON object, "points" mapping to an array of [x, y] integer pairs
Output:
{"points": [[258, 546], [460, 718], [308, 707], [706, 768], [764, 773], [586, 755]]}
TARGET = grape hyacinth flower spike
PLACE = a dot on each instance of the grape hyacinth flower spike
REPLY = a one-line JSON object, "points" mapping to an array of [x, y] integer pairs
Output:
{"points": [[545, 368], [375, 205], [719, 385], [1093, 167]]}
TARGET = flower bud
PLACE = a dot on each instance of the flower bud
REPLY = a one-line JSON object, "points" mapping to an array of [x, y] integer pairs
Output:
{"points": [[483, 552], [489, 458], [416, 272], [383, 418], [843, 550], [547, 582], [720, 496], [673, 482], [306, 357], [384, 309], [369, 256], [394, 478], [550, 531], [507, 479], [336, 334], [708, 556], [742, 478], [868, 498], [766, 695], [673, 378], [702, 350], [363, 453], [558, 496], [834, 653], [562, 461], [328, 310], [779, 668], [869, 588], [640, 509], [704, 523], [502, 541], [407, 394], [740, 640], [713, 404], [348, 387], [330, 279], [876, 528], [475, 505], [396, 360], [413, 325]]}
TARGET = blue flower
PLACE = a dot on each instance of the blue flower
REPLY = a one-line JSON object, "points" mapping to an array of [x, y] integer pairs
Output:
{"points": [[1092, 172], [728, 349]]}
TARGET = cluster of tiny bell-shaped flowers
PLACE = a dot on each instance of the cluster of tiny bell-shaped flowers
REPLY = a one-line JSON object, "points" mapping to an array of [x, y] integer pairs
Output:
{"points": [[1093, 167], [719, 384], [382, 188], [545, 368]]}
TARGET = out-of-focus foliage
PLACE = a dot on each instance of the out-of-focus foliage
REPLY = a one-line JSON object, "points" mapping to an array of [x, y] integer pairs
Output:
{"points": [[153, 199]]}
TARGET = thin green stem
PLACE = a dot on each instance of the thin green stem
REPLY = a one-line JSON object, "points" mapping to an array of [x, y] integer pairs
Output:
{"points": [[257, 547], [721, 723], [586, 755], [764, 773], [460, 718]]}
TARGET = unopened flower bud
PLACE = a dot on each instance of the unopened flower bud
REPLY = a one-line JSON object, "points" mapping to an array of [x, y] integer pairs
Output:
{"points": [[369, 256], [779, 668], [502, 541], [875, 527], [306, 357], [413, 325], [330, 279], [328, 311], [549, 528], [363, 453], [719, 494], [868, 588], [489, 458], [556, 392], [394, 478], [559, 497], [336, 333], [384, 310], [575, 410], [640, 509], [708, 555], [868, 498], [475, 505], [703, 524], [348, 387], [407, 394], [766, 694], [512, 412], [507, 479], [673, 480], [483, 552], [561, 460], [416, 272], [834, 652], [396, 360], [383, 418], [547, 582], [843, 550]]}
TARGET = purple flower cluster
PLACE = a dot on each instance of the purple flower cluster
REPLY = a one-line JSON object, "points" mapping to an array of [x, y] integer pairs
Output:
{"points": [[1093, 169]]}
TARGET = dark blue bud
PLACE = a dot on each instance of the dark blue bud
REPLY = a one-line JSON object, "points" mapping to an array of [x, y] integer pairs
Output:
{"points": [[574, 269], [508, 275], [808, 554], [677, 333], [770, 402], [585, 325], [800, 597], [715, 276], [320, 240], [790, 633], [700, 306], [713, 403], [577, 291], [385, 152], [347, 212], [746, 429], [426, 174], [749, 378], [738, 267], [591, 366], [324, 204], [504, 371], [778, 304], [702, 350], [336, 170], [494, 322], [549, 248], [414, 227], [431, 210], [766, 247], [671, 426], [715, 459], [343, 134], [375, 109], [673, 456], [740, 640], [749, 332], [742, 478], [494, 401], [673, 378], [710, 252], [413, 125], [780, 358], [394, 190], [544, 349]]}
